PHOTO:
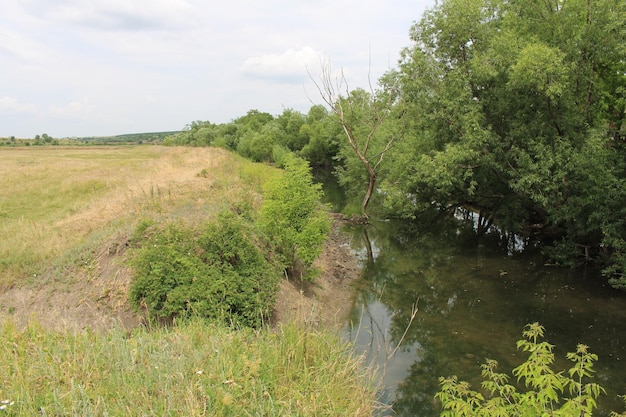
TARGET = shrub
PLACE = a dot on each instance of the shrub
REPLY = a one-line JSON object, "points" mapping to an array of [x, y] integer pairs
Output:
{"points": [[292, 216], [216, 272], [545, 387]]}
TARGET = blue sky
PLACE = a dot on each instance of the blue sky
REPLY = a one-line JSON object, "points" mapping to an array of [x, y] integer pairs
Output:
{"points": [[107, 67]]}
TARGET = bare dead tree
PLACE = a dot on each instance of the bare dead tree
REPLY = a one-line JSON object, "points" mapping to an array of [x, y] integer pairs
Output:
{"points": [[336, 95]]}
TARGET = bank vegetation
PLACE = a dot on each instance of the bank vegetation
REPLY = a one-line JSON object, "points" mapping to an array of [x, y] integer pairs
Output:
{"points": [[140, 280]]}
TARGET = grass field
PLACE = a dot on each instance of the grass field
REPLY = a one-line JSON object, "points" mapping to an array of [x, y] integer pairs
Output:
{"points": [[60, 207], [58, 202]]}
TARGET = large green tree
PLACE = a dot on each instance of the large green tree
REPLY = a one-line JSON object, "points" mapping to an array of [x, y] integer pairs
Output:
{"points": [[516, 111]]}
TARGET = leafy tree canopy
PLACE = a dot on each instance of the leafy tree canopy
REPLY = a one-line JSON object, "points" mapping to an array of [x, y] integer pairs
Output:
{"points": [[513, 109]]}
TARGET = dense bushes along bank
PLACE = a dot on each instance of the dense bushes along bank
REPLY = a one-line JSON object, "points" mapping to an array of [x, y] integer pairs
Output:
{"points": [[229, 268]]}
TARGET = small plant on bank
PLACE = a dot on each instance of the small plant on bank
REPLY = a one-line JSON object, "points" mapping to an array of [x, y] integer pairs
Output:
{"points": [[549, 393], [292, 216], [215, 272]]}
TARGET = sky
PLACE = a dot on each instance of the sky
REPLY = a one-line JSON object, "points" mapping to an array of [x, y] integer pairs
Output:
{"points": [[73, 68]]}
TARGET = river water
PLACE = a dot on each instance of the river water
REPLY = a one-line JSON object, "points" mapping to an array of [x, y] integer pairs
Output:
{"points": [[471, 299]]}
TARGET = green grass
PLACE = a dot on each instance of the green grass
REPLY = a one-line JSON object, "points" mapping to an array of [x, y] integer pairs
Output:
{"points": [[58, 201], [59, 206], [193, 369]]}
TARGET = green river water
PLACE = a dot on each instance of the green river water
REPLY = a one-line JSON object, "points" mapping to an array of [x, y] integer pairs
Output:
{"points": [[473, 298]]}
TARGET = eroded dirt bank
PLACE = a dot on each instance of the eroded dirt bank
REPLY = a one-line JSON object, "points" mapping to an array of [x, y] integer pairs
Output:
{"points": [[95, 295], [329, 299]]}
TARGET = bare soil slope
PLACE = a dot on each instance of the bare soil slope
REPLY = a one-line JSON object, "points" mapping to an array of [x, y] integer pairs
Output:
{"points": [[96, 296], [328, 300]]}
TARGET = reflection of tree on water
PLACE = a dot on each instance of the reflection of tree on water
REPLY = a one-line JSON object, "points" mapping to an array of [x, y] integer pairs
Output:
{"points": [[474, 300], [362, 245], [392, 256]]}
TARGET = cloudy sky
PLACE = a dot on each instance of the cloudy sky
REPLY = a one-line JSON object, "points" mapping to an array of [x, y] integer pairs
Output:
{"points": [[107, 67]]}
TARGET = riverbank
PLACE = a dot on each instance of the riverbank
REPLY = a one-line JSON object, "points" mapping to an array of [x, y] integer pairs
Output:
{"points": [[327, 300], [299, 367], [73, 344], [96, 297], [65, 264]]}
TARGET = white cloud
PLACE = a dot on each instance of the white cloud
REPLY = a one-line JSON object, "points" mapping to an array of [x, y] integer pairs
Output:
{"points": [[75, 109], [290, 66], [23, 48], [76, 67], [12, 104]]}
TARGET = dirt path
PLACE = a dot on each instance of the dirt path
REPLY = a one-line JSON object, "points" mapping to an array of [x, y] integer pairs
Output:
{"points": [[96, 296]]}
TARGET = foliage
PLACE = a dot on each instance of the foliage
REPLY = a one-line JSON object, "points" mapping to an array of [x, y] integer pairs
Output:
{"points": [[197, 133], [515, 109], [257, 145], [549, 393], [291, 215], [192, 369], [360, 115], [217, 272], [290, 134], [257, 135], [323, 138]]}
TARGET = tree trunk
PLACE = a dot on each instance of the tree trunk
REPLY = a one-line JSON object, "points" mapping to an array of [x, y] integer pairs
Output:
{"points": [[369, 192]]}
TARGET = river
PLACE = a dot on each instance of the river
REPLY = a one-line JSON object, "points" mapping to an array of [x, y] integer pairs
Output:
{"points": [[471, 299]]}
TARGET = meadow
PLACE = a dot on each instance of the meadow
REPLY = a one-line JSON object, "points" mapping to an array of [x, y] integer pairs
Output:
{"points": [[66, 214], [58, 202]]}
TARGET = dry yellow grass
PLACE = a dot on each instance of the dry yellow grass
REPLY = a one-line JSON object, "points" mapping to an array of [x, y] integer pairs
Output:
{"points": [[56, 202]]}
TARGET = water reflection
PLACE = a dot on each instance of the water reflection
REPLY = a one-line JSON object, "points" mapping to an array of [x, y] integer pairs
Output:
{"points": [[474, 299]]}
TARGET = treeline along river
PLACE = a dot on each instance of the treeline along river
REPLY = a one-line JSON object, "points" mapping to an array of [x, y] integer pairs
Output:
{"points": [[473, 297]]}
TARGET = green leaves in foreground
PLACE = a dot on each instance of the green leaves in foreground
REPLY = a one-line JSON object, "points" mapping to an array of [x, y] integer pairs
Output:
{"points": [[549, 393], [214, 272]]}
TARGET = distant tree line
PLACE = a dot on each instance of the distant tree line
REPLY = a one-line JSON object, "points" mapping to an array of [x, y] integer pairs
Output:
{"points": [[512, 109], [39, 140], [125, 139], [262, 137]]}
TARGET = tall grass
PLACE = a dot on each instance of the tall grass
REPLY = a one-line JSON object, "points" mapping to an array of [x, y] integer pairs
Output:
{"points": [[194, 369]]}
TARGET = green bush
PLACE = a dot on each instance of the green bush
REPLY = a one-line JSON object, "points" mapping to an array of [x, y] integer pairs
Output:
{"points": [[215, 272], [292, 216], [546, 388]]}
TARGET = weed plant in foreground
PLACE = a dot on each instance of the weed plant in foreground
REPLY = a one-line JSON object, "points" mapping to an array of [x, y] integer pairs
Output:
{"points": [[193, 369]]}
